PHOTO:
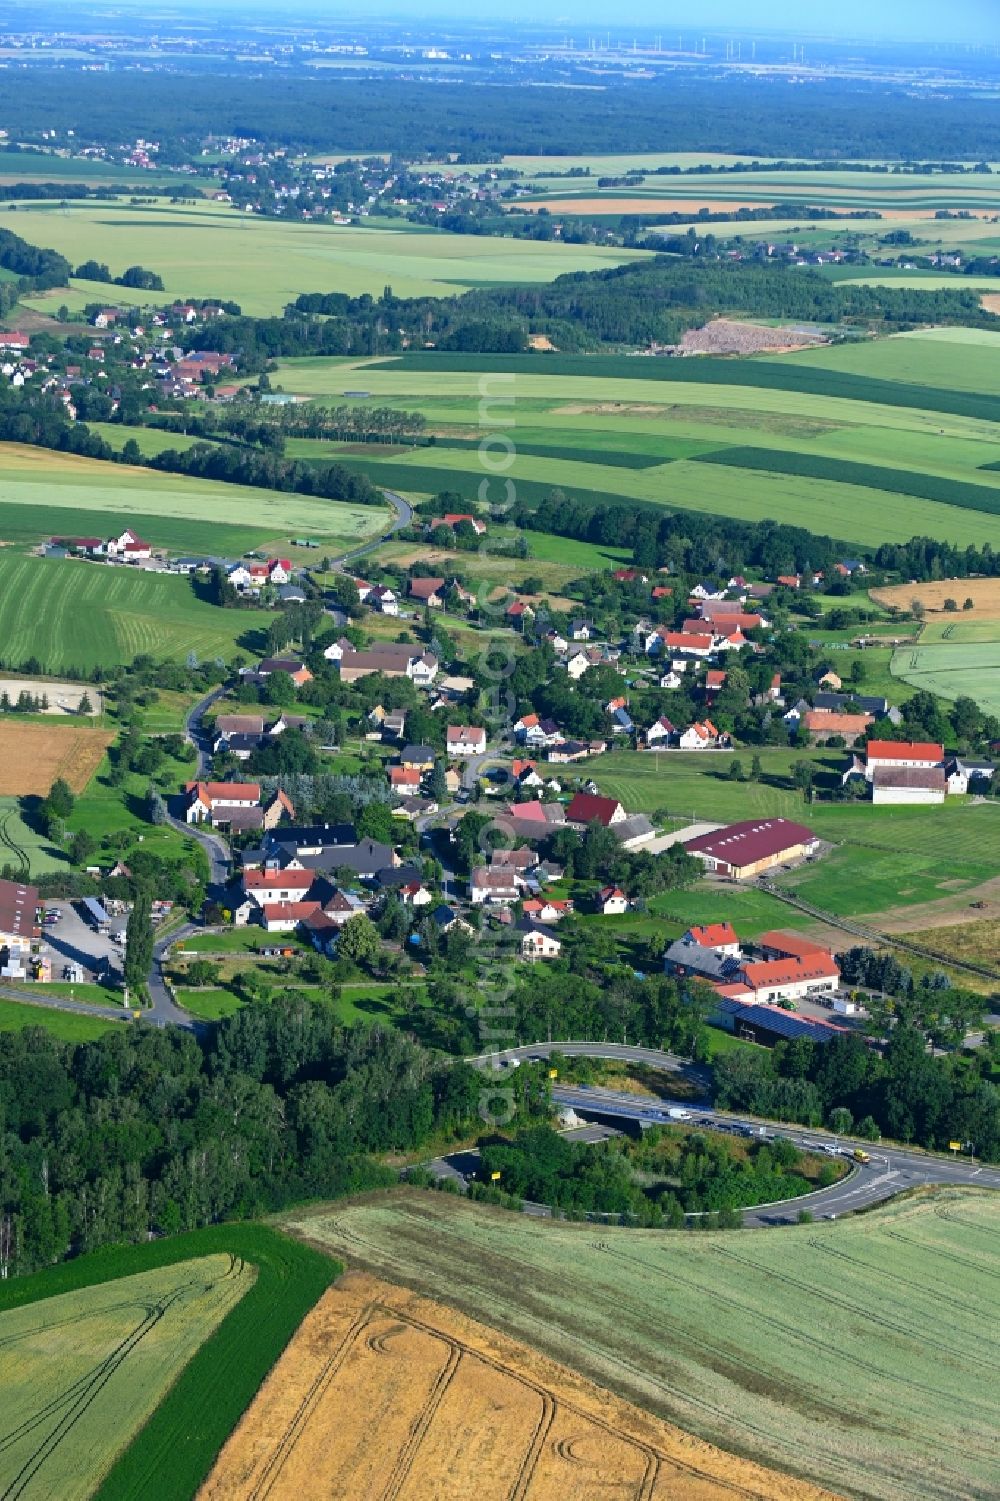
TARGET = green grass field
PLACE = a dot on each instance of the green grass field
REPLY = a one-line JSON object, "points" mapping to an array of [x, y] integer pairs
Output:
{"points": [[859, 1355], [84, 1371], [43, 856], [67, 1026], [210, 250], [884, 857], [190, 1419], [955, 668], [44, 493], [71, 614]]}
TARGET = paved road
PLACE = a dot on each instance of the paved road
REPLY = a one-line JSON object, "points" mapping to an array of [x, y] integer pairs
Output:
{"points": [[219, 859], [892, 1170], [163, 1011], [403, 517]]}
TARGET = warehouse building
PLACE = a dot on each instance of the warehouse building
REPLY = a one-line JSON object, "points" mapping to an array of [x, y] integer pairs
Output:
{"points": [[744, 850]]}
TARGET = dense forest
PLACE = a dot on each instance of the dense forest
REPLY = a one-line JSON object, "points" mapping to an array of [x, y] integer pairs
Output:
{"points": [[832, 119], [159, 1131]]}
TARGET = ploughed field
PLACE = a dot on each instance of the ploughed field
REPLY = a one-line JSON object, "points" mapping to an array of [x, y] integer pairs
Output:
{"points": [[382, 1393], [859, 1355]]}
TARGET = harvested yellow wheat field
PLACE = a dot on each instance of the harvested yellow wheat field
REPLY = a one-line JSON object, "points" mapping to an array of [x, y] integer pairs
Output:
{"points": [[383, 1393]]}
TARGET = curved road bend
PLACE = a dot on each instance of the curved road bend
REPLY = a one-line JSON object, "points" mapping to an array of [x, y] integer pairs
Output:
{"points": [[404, 515], [892, 1170]]}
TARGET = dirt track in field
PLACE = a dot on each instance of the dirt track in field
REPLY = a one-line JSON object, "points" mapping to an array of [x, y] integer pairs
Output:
{"points": [[32, 756], [389, 1396]]}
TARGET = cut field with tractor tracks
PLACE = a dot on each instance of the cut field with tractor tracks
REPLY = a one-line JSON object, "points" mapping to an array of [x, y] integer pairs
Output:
{"points": [[84, 1370], [384, 1394], [860, 1355]]}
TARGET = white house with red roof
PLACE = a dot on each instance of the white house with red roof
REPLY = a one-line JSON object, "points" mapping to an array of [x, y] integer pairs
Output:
{"points": [[612, 901], [465, 740], [719, 937], [903, 772], [700, 736], [129, 547]]}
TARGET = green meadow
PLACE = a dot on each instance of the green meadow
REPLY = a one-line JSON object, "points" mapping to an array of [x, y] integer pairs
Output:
{"points": [[211, 250]]}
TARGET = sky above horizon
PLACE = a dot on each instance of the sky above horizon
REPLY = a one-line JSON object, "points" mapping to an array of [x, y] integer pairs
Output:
{"points": [[903, 19]]}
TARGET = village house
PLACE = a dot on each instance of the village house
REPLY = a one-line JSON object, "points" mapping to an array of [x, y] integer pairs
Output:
{"points": [[612, 901], [661, 733], [965, 775], [537, 941], [205, 799], [901, 772], [128, 547], [453, 518], [297, 671], [588, 807], [494, 886], [427, 591], [699, 736], [392, 660], [417, 757], [465, 740], [820, 724], [383, 599]]}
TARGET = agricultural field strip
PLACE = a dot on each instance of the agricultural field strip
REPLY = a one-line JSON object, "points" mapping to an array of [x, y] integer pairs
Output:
{"points": [[743, 1364], [120, 1346], [870, 476], [787, 374], [855, 514], [39, 477]]}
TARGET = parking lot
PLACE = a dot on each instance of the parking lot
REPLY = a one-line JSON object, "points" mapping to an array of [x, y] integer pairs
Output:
{"points": [[74, 941]]}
